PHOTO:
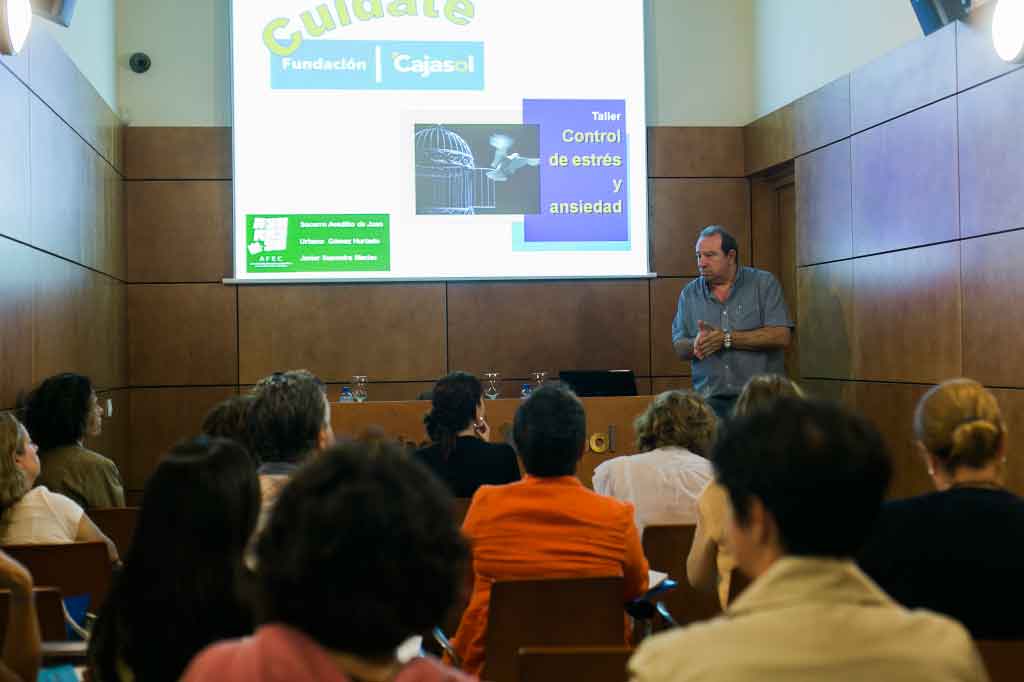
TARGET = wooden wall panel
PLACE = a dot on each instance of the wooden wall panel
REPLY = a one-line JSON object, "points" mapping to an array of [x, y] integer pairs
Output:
{"points": [[770, 140], [764, 225], [16, 315], [78, 324], [919, 73], [993, 288], [1011, 402], [976, 60], [59, 168], [14, 158], [662, 384], [514, 328], [664, 302], [822, 117], [185, 153], [991, 149], [891, 408], [182, 334], [825, 323], [57, 81], [389, 332], [694, 152], [786, 196], [905, 181], [178, 231], [824, 204], [841, 392], [102, 235], [682, 208], [160, 418], [907, 315]]}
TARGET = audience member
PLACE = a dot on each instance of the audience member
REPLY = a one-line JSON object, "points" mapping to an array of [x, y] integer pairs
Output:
{"points": [[710, 564], [36, 515], [359, 554], [289, 420], [805, 482], [547, 525], [60, 413], [21, 652], [956, 551], [459, 453], [177, 591], [674, 436], [230, 419]]}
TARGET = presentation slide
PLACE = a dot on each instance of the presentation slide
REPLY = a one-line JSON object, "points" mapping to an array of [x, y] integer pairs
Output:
{"points": [[439, 139]]}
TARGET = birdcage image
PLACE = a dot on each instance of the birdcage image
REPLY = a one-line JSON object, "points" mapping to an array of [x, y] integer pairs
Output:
{"points": [[448, 181]]}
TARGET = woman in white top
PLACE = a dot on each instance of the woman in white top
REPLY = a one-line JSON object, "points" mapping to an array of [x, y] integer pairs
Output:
{"points": [[674, 435], [710, 563], [36, 515]]}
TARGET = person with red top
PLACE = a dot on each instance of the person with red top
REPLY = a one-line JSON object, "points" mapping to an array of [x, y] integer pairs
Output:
{"points": [[547, 525], [360, 553]]}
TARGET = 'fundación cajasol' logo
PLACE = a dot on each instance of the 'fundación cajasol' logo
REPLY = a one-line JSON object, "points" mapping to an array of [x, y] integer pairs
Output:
{"points": [[380, 65]]}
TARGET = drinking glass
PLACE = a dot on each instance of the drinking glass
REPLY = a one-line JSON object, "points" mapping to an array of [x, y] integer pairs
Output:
{"points": [[491, 390], [359, 392], [538, 378]]}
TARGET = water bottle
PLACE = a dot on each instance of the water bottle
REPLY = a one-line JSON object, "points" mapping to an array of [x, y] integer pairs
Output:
{"points": [[525, 391], [346, 395]]}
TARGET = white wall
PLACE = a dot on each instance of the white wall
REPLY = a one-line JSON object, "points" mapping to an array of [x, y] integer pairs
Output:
{"points": [[189, 83], [800, 45], [700, 62], [691, 80], [709, 62], [90, 42]]}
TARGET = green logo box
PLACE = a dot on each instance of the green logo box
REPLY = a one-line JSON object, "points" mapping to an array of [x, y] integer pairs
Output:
{"points": [[349, 242]]}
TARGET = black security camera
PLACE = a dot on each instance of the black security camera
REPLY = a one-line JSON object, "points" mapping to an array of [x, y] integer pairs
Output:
{"points": [[140, 62]]}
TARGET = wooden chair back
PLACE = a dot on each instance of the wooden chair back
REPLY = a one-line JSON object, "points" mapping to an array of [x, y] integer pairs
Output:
{"points": [[117, 523], [1004, 659], [666, 549], [74, 568], [562, 612], [49, 611], [566, 664]]}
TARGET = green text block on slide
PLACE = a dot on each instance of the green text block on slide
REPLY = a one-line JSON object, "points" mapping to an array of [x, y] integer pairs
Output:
{"points": [[318, 243]]}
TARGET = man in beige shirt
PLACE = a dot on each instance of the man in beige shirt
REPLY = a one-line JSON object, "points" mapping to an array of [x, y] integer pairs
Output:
{"points": [[805, 482]]}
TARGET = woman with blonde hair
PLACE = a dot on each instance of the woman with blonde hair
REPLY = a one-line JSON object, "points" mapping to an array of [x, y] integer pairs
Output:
{"points": [[956, 550], [710, 564], [35, 515], [673, 436]]}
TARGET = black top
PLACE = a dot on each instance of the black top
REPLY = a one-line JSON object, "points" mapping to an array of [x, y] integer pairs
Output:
{"points": [[959, 552], [471, 464]]}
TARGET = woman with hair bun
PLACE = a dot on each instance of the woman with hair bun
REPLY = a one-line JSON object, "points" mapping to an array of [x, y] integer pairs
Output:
{"points": [[956, 551], [460, 453]]}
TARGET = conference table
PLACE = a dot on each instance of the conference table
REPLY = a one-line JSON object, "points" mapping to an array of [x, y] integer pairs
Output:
{"points": [[609, 424]]}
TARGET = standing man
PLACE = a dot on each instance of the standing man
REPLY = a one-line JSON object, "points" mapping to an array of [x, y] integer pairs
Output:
{"points": [[731, 322]]}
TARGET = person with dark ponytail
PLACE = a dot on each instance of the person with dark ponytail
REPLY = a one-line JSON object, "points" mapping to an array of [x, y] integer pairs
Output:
{"points": [[956, 551], [460, 453]]}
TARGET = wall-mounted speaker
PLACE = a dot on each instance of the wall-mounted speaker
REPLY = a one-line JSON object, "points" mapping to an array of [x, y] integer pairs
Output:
{"points": [[57, 11], [934, 14]]}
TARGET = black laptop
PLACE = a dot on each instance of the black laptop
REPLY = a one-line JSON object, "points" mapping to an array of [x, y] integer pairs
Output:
{"points": [[604, 382]]}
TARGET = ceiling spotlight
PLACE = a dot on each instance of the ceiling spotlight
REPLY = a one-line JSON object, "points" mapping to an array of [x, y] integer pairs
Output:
{"points": [[15, 23], [1008, 30]]}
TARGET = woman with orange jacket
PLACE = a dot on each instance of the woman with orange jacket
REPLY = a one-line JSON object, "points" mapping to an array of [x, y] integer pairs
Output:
{"points": [[547, 525]]}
